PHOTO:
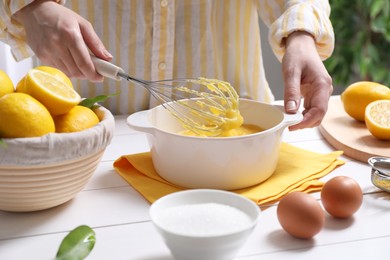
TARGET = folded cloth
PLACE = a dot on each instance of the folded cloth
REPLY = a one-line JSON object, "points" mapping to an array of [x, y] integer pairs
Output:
{"points": [[297, 170]]}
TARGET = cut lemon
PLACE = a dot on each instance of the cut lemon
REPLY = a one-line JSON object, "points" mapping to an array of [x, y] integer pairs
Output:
{"points": [[377, 118], [57, 96], [52, 71], [56, 73]]}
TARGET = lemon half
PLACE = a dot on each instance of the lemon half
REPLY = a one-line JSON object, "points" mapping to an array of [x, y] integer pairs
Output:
{"points": [[377, 118], [56, 73], [52, 71], [57, 96]]}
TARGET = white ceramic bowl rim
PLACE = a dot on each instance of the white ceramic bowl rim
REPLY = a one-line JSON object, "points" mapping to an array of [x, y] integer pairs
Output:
{"points": [[141, 121], [58, 147], [255, 208]]}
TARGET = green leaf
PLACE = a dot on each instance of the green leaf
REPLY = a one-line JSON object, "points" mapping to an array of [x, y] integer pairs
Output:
{"points": [[379, 75], [331, 64], [2, 143], [362, 31], [77, 244], [90, 102], [376, 8], [387, 35], [373, 53], [379, 24]]}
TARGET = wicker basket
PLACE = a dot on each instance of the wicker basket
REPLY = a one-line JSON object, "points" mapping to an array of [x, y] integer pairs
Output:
{"points": [[44, 172]]}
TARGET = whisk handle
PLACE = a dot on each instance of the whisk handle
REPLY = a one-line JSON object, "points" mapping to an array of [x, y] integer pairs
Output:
{"points": [[106, 68]]}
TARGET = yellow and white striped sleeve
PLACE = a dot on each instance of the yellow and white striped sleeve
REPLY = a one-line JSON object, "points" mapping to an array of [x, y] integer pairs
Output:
{"points": [[12, 32], [286, 16]]}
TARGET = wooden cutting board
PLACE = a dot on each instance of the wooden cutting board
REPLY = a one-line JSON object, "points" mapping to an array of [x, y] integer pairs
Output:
{"points": [[347, 134]]}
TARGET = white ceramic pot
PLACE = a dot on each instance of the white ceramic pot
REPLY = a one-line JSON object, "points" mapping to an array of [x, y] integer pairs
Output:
{"points": [[215, 162]]}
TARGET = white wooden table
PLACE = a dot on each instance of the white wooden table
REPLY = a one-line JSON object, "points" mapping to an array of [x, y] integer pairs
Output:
{"points": [[119, 216]]}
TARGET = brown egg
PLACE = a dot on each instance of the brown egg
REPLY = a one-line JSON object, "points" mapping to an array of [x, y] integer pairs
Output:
{"points": [[300, 215], [341, 196]]}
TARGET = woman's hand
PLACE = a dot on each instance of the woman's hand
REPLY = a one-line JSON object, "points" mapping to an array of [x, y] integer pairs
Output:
{"points": [[305, 76], [61, 38]]}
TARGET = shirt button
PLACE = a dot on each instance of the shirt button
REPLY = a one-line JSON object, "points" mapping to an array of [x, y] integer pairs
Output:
{"points": [[162, 66], [164, 3]]}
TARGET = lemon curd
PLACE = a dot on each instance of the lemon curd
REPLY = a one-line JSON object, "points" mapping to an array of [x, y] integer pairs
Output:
{"points": [[245, 129]]}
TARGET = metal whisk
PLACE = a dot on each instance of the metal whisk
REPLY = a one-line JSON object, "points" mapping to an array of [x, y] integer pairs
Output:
{"points": [[204, 106]]}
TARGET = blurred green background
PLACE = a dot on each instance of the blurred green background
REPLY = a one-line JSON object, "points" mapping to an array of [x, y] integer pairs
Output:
{"points": [[362, 49]]}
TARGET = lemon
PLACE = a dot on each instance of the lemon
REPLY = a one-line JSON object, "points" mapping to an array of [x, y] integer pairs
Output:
{"points": [[6, 85], [20, 86], [358, 95], [377, 118], [56, 73], [23, 116], [77, 119], [52, 71], [54, 94]]}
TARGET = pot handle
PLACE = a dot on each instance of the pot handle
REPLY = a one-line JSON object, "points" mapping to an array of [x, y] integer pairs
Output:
{"points": [[139, 121], [290, 119]]}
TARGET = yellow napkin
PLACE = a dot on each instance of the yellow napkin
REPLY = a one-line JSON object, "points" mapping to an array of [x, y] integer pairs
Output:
{"points": [[297, 170]]}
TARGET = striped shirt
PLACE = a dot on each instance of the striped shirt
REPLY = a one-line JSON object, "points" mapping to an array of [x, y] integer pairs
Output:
{"points": [[163, 39]]}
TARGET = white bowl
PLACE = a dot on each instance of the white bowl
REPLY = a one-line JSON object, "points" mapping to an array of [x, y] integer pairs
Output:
{"points": [[215, 162], [43, 172], [204, 224]]}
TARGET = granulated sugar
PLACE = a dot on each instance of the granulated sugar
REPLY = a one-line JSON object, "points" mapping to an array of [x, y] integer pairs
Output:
{"points": [[203, 219]]}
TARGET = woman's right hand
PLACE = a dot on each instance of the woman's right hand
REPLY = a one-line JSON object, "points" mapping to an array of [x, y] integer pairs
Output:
{"points": [[61, 38]]}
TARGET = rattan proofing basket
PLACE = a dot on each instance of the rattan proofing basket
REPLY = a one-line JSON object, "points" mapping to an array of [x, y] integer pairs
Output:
{"points": [[44, 172]]}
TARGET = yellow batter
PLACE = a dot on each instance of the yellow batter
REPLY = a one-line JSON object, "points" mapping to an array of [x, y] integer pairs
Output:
{"points": [[245, 129]]}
